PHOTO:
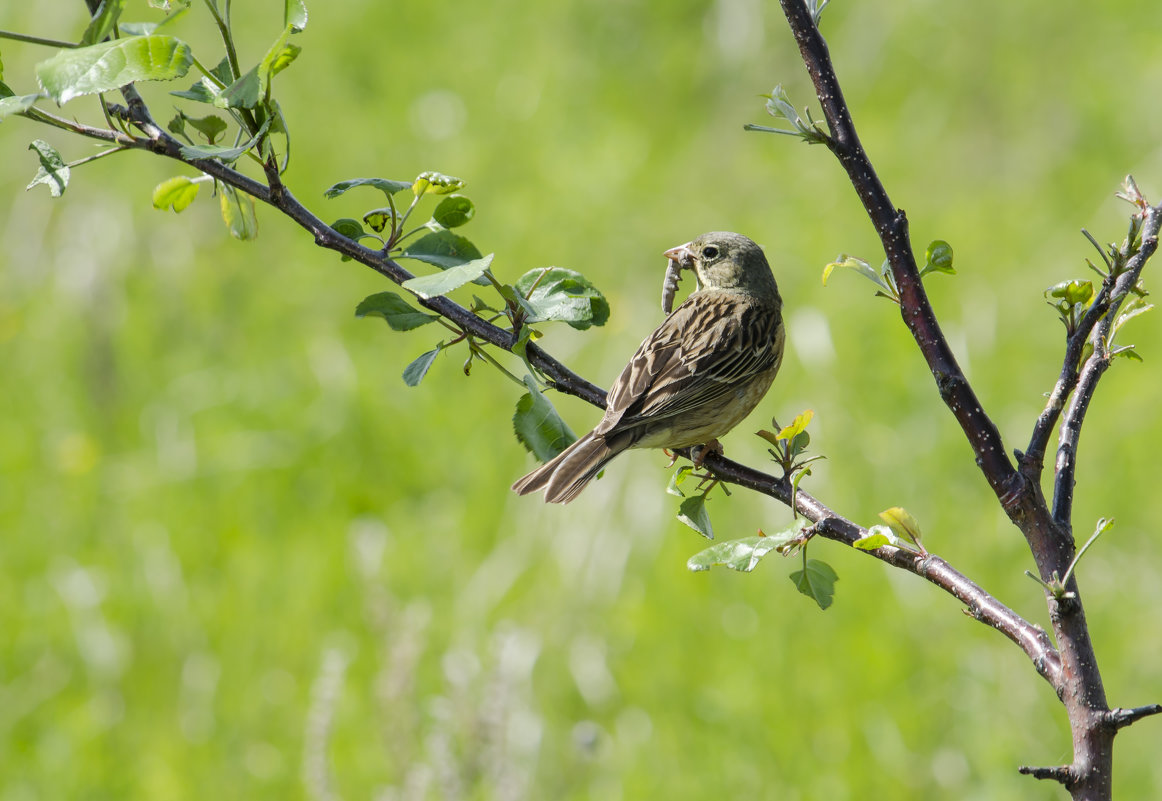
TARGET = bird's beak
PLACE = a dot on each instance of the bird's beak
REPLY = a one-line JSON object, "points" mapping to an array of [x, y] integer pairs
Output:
{"points": [[682, 255]]}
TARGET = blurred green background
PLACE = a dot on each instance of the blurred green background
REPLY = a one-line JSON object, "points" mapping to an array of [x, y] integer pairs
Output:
{"points": [[239, 558]]}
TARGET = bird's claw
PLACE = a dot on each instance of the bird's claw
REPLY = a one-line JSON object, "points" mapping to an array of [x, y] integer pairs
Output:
{"points": [[699, 453]]}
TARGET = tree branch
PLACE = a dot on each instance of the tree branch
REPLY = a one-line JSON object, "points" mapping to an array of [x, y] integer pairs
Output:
{"points": [[1120, 718], [891, 225], [1097, 363]]}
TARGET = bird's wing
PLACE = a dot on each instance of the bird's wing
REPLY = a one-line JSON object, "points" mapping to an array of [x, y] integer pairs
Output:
{"points": [[700, 353]]}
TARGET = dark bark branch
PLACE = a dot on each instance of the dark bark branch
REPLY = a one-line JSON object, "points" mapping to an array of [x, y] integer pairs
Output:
{"points": [[1077, 678], [1061, 773], [1097, 363], [1120, 718], [892, 226]]}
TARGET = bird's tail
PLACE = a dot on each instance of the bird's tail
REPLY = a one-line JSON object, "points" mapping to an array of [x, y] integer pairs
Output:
{"points": [[564, 476]]}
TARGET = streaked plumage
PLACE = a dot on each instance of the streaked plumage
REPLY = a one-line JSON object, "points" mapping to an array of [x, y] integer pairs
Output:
{"points": [[695, 377]]}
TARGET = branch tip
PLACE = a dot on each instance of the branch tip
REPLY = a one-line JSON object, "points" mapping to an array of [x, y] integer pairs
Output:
{"points": [[1061, 773], [1120, 718]]}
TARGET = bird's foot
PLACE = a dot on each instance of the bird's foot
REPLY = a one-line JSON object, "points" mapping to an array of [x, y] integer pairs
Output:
{"points": [[699, 453], [673, 457]]}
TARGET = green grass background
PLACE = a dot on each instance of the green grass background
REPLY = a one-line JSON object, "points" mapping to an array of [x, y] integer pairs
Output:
{"points": [[239, 558]]}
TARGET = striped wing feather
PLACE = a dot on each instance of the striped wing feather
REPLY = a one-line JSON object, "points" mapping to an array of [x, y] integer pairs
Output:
{"points": [[699, 355]]}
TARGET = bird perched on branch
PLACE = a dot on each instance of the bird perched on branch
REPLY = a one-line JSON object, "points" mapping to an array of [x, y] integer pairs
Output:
{"points": [[696, 377]]}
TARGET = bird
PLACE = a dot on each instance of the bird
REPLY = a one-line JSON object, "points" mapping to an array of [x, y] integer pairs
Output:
{"points": [[697, 376]]}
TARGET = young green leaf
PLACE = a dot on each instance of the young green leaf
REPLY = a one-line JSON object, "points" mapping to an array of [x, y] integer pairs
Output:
{"points": [[538, 426], [203, 91], [742, 555], [352, 229], [676, 480], [103, 24], [388, 188], [817, 581], [693, 513], [558, 294], [176, 193], [860, 266], [224, 154], [877, 537], [295, 15], [379, 219], [414, 373], [437, 183], [444, 249], [396, 311], [211, 126], [242, 93], [17, 104], [238, 213], [779, 104], [110, 65], [938, 258], [53, 172], [429, 286], [902, 524], [454, 211], [797, 426]]}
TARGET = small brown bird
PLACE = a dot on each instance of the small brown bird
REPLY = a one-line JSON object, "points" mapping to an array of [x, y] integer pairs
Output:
{"points": [[695, 377]]}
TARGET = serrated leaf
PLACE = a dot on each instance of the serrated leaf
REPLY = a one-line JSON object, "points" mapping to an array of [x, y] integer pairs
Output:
{"points": [[53, 172], [443, 249], [538, 426], [743, 554], [437, 183], [176, 193], [902, 523], [110, 65], [692, 512], [295, 15], [414, 373], [453, 211], [17, 104], [816, 581], [559, 294], [389, 188], [429, 286], [797, 426], [396, 311], [238, 213]]}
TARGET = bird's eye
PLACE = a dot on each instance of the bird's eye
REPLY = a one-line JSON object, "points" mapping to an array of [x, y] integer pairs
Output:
{"points": [[710, 252]]}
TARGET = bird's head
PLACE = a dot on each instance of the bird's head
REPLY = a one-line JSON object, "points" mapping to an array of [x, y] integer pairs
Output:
{"points": [[725, 260]]}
